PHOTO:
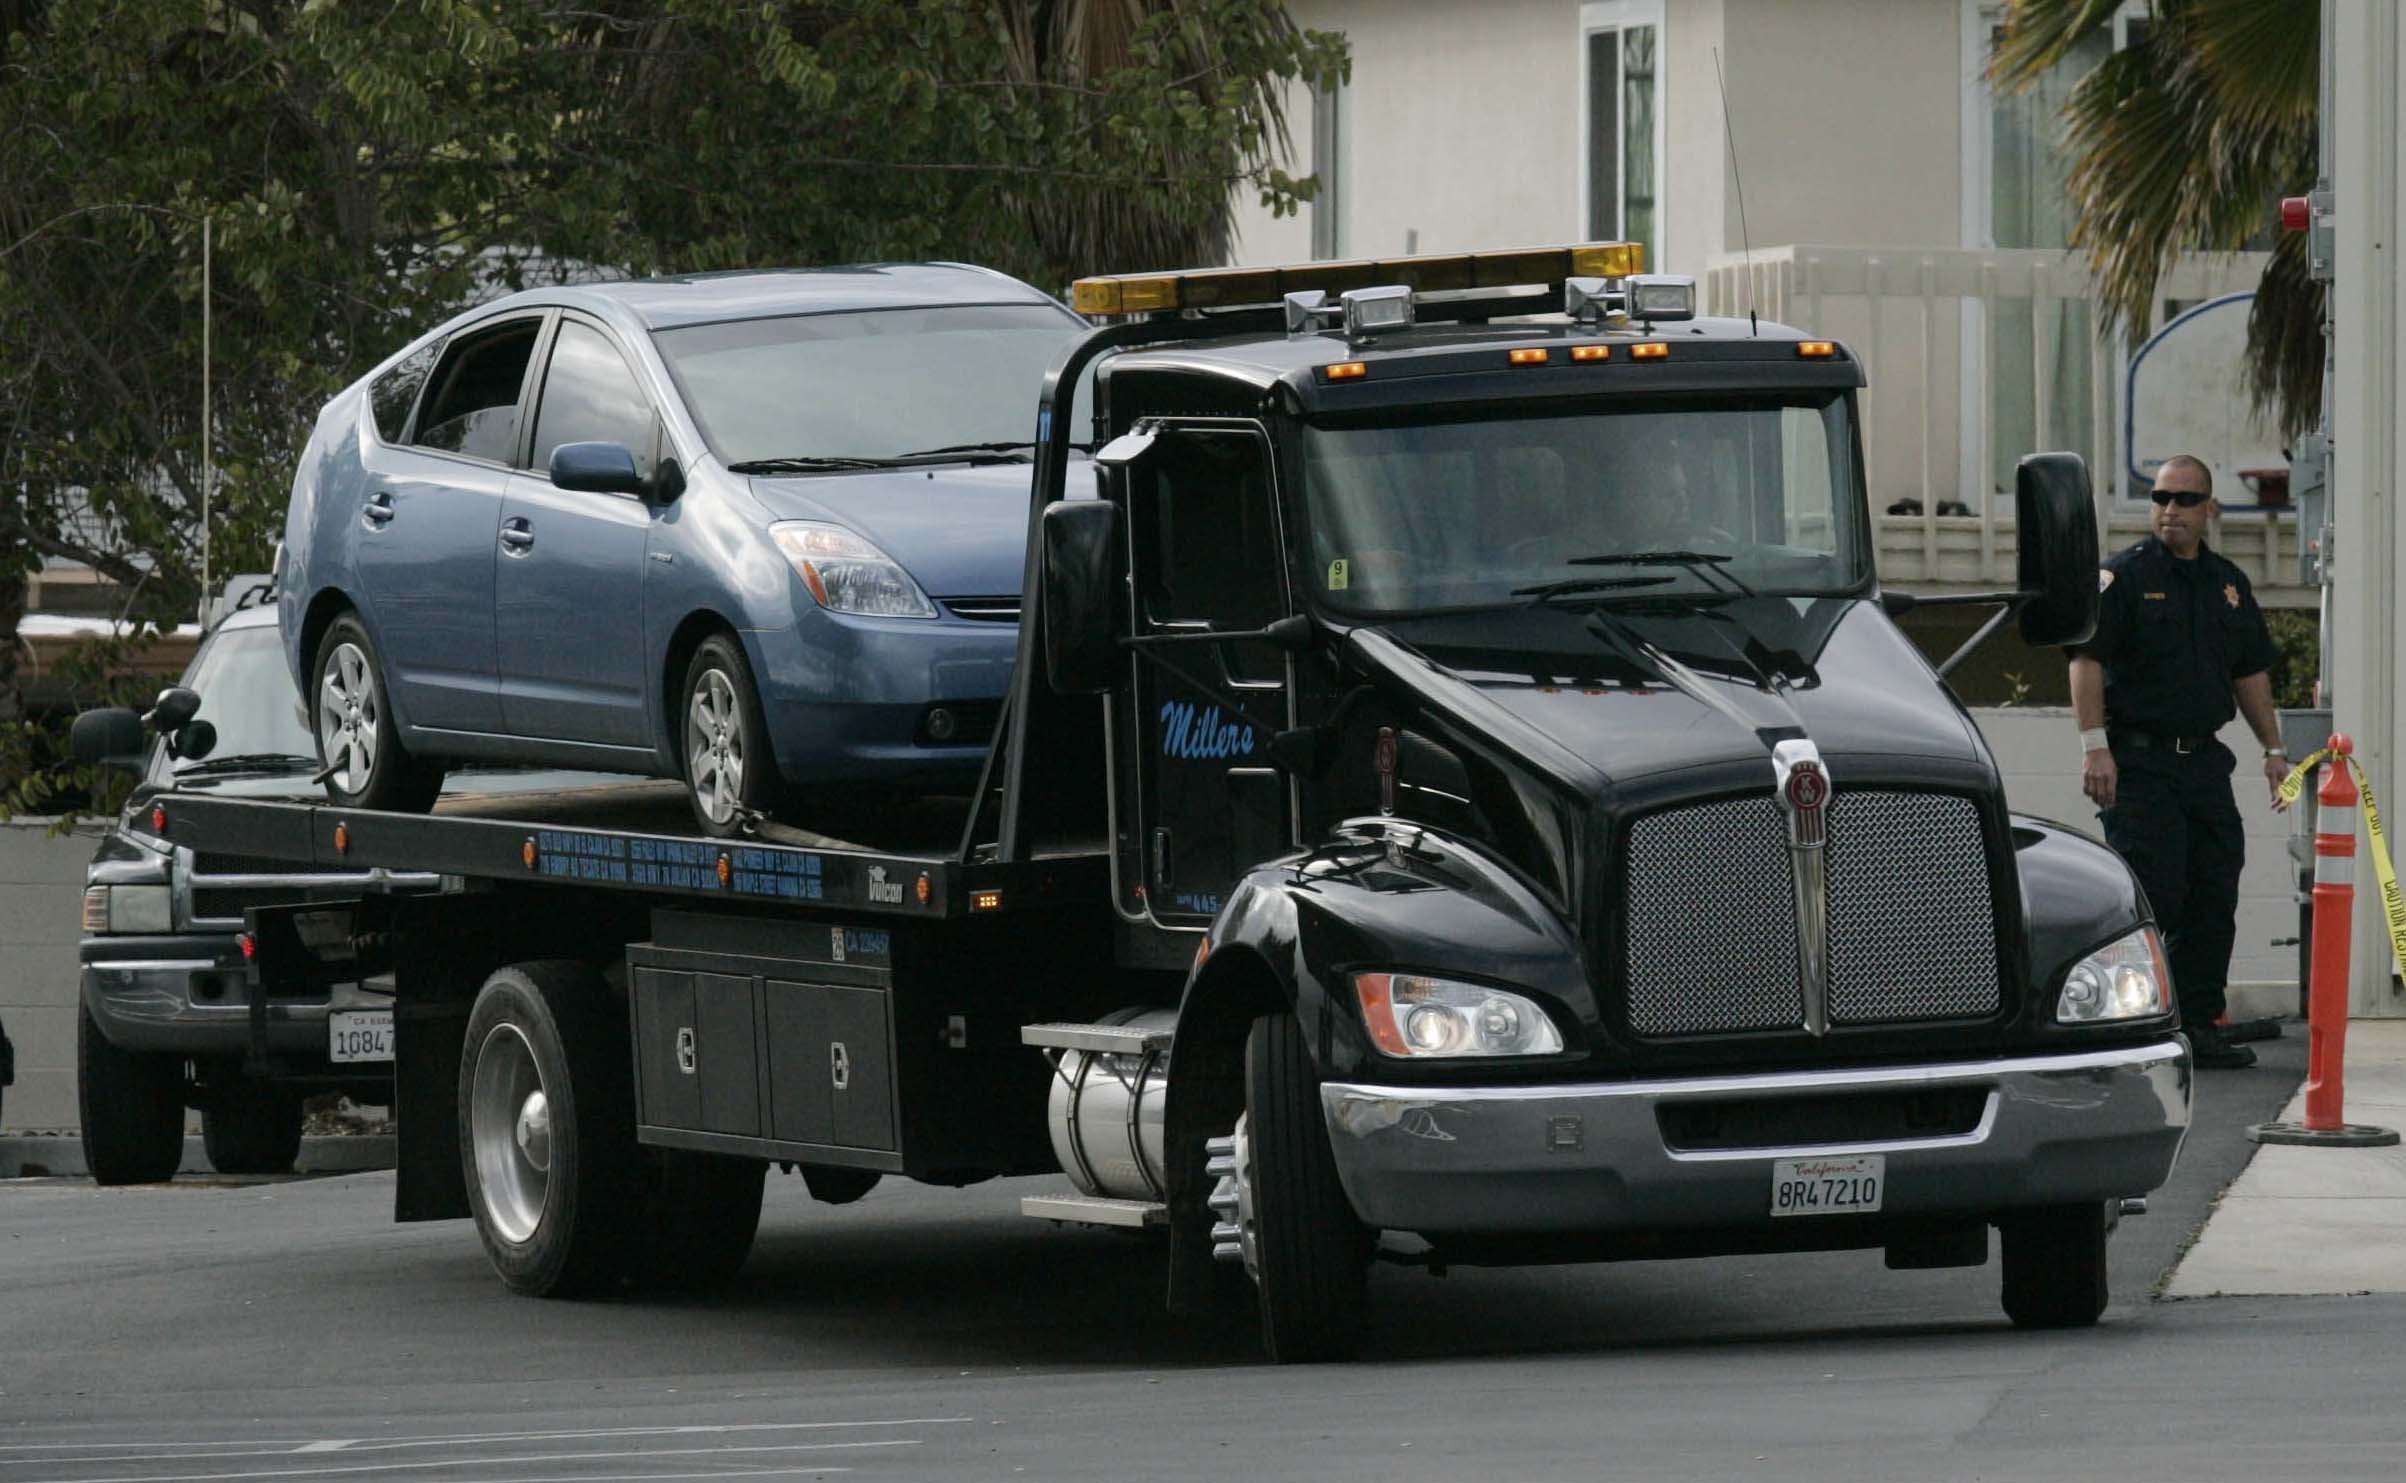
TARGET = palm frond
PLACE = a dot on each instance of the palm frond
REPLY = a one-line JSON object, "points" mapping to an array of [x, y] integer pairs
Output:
{"points": [[2040, 33], [2264, 57], [2285, 354]]}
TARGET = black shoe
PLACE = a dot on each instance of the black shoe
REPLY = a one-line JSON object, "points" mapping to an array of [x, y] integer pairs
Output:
{"points": [[2214, 1052]]}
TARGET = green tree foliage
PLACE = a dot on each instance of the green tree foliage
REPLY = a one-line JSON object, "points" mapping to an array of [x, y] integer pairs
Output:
{"points": [[2187, 139], [367, 168]]}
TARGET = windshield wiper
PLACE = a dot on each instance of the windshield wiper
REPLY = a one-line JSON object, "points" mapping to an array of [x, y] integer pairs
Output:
{"points": [[1005, 452], [1702, 563], [1570, 586], [247, 762], [806, 465]]}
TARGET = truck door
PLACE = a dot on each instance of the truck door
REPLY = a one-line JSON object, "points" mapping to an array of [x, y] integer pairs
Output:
{"points": [[1206, 556]]}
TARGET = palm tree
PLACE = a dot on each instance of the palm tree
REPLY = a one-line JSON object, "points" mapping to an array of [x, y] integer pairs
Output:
{"points": [[1218, 53], [2186, 139]]}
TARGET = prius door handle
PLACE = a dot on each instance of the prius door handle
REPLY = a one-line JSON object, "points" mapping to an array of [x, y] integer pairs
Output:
{"points": [[517, 535], [377, 510]]}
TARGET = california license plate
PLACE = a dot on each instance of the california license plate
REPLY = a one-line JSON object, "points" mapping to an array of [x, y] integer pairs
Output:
{"points": [[360, 1034], [1840, 1186]]}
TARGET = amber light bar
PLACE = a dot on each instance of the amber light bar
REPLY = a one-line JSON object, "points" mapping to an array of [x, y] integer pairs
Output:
{"points": [[1232, 288], [1816, 349]]}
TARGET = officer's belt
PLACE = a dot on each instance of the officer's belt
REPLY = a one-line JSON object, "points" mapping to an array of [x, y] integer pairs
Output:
{"points": [[2122, 736]]}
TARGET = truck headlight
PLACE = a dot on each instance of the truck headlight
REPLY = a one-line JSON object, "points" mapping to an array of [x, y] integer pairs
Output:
{"points": [[128, 909], [1430, 1018], [847, 574], [2127, 979]]}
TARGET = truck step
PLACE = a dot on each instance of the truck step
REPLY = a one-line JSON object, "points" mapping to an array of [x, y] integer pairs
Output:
{"points": [[1110, 1040], [1094, 1210]]}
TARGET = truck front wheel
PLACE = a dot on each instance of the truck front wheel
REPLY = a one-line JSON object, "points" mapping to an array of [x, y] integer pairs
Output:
{"points": [[1308, 1255], [2054, 1262], [133, 1108], [548, 1143]]}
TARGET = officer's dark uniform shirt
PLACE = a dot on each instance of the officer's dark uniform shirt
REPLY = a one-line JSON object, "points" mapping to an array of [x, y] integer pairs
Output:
{"points": [[2172, 636]]}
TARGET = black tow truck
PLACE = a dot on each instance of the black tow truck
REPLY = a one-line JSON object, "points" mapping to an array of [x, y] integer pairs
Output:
{"points": [[1463, 798]]}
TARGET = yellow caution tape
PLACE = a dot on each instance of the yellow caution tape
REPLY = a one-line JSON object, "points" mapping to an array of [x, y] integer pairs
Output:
{"points": [[2393, 901]]}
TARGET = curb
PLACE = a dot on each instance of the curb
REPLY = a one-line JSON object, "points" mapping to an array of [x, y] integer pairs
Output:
{"points": [[29, 1155]]}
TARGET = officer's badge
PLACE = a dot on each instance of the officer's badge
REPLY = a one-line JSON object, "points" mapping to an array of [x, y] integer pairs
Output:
{"points": [[2230, 593], [2105, 578]]}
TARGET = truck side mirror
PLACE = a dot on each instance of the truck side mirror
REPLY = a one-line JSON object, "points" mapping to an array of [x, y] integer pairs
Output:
{"points": [[1083, 580], [193, 740], [110, 737], [171, 710], [2057, 523]]}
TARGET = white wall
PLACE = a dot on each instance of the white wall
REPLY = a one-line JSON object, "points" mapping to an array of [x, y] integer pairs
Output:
{"points": [[41, 919], [1462, 123], [2038, 750], [2369, 467]]}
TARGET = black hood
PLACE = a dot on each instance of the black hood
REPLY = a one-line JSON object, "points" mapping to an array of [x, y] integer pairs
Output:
{"points": [[1603, 700]]}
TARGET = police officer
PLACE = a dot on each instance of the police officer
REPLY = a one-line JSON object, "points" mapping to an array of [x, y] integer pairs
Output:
{"points": [[2180, 643]]}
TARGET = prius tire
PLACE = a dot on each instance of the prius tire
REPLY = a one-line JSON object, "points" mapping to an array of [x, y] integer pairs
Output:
{"points": [[547, 1129], [2054, 1261], [723, 741], [1311, 1254], [132, 1105], [358, 737]]}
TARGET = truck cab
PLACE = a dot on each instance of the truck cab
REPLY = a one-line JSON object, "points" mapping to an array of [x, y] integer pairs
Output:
{"points": [[1578, 860]]}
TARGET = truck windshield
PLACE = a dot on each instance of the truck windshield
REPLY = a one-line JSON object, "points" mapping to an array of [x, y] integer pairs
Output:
{"points": [[246, 693], [1472, 512], [870, 385]]}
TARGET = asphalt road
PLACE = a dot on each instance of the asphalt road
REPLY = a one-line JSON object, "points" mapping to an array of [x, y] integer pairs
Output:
{"points": [[285, 1330]]}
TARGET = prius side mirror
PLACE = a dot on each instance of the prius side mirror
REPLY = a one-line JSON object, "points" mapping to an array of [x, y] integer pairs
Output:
{"points": [[596, 468]]}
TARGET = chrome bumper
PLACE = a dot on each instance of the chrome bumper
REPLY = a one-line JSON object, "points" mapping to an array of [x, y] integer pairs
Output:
{"points": [[2056, 1129], [189, 994]]}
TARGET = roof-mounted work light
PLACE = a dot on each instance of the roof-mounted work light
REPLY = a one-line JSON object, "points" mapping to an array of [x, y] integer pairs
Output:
{"points": [[1308, 309], [1371, 310], [1658, 296]]}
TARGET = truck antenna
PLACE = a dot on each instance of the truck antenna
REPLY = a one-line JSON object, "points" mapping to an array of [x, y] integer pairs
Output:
{"points": [[1729, 133]]}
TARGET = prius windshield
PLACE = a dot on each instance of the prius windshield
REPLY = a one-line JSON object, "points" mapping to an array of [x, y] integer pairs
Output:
{"points": [[1757, 493]]}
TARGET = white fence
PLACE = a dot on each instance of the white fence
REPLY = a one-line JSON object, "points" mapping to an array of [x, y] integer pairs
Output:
{"points": [[1974, 358]]}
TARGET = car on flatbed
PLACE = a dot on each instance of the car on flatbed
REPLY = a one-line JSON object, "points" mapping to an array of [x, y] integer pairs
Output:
{"points": [[762, 531], [1462, 798]]}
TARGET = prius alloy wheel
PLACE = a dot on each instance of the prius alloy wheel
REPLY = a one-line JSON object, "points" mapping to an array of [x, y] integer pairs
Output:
{"points": [[728, 766], [367, 765]]}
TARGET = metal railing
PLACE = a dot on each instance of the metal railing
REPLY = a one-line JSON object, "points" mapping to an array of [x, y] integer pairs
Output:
{"points": [[1919, 319]]}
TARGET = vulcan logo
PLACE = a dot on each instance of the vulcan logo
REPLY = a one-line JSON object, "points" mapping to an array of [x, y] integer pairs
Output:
{"points": [[883, 892], [1190, 733]]}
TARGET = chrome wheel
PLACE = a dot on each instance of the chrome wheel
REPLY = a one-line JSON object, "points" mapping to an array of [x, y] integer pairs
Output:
{"points": [[348, 718], [714, 747], [509, 1127], [1236, 1237]]}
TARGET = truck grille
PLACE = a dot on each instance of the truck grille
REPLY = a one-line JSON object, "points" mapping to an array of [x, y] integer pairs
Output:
{"points": [[1711, 915]]}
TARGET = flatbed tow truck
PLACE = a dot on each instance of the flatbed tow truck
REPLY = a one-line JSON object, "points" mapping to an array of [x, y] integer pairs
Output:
{"points": [[1462, 799]]}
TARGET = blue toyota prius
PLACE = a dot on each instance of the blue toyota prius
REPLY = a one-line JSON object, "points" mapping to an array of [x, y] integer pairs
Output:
{"points": [[760, 531]]}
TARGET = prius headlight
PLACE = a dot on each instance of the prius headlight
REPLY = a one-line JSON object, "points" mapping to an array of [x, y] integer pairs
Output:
{"points": [[1428, 1018], [848, 574], [2127, 979]]}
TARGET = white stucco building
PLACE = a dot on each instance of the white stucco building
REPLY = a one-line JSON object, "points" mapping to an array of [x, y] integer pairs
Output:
{"points": [[1889, 196]]}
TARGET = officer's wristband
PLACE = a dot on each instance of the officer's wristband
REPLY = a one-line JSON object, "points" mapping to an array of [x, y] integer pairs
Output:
{"points": [[2093, 740]]}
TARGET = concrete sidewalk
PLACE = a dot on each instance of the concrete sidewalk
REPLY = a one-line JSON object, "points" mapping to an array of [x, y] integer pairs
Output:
{"points": [[34, 1155], [2316, 1220]]}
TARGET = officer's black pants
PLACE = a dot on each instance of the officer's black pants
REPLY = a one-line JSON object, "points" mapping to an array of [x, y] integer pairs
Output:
{"points": [[2176, 823]]}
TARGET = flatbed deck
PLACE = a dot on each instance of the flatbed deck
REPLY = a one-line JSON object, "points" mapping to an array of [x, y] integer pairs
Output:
{"points": [[638, 835]]}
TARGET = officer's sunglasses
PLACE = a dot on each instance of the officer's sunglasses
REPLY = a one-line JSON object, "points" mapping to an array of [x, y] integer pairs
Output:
{"points": [[2187, 499]]}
